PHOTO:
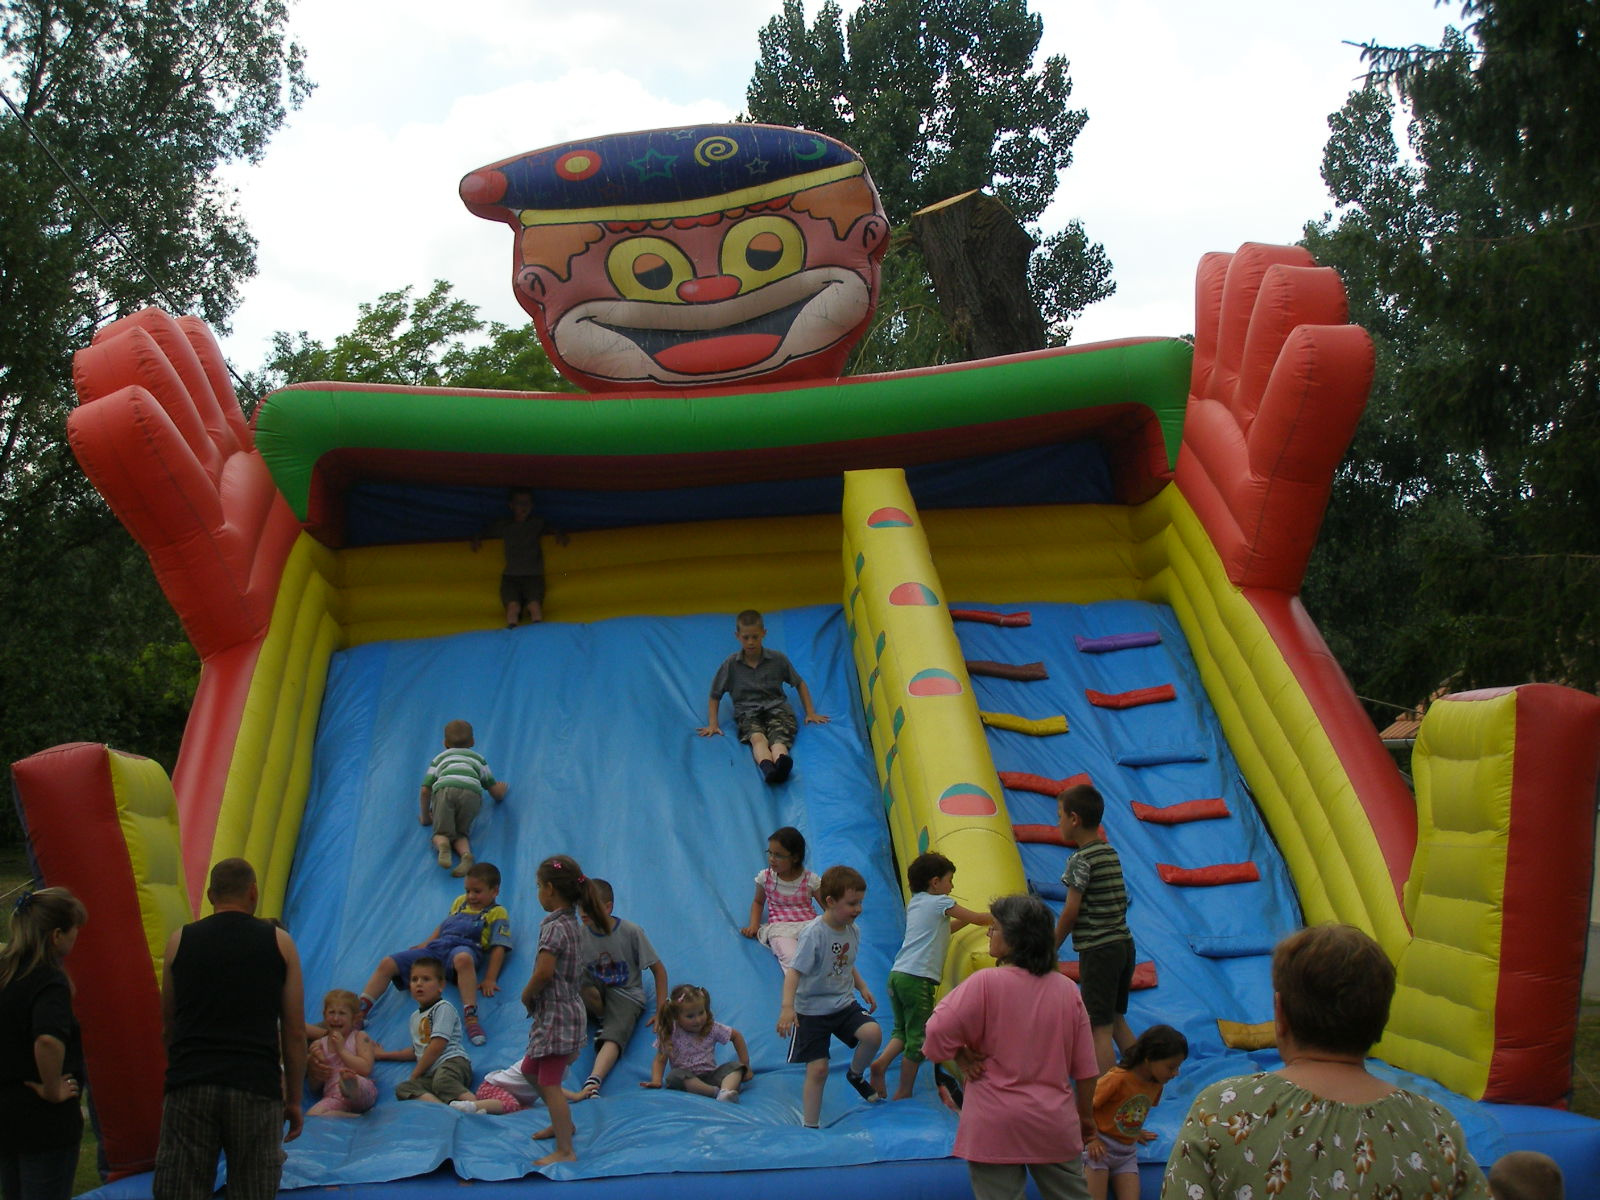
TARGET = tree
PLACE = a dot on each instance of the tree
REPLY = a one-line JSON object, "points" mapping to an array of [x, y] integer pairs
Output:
{"points": [[116, 116], [939, 97], [1462, 545], [427, 342]]}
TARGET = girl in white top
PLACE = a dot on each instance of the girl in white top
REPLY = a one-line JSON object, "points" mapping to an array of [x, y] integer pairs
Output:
{"points": [[785, 891]]}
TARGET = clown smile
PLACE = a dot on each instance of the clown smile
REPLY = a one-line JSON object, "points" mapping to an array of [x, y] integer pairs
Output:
{"points": [[717, 341]]}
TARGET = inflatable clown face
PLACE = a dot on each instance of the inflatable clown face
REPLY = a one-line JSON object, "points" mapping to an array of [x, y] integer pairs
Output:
{"points": [[679, 258]]}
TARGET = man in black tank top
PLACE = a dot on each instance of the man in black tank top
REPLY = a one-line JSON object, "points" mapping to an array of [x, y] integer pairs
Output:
{"points": [[233, 1017]]}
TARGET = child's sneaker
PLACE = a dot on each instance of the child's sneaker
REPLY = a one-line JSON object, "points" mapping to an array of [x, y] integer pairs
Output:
{"points": [[781, 766], [366, 1009], [475, 1033], [862, 1087], [463, 866], [444, 857]]}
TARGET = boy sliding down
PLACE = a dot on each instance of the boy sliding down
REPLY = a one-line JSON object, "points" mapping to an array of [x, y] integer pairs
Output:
{"points": [[477, 927], [443, 1072], [754, 678], [819, 987], [931, 915], [613, 986]]}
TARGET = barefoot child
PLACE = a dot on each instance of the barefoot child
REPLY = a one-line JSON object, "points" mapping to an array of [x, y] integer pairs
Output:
{"points": [[1096, 914], [614, 962], [784, 891], [931, 915], [551, 995], [1122, 1100], [476, 930], [688, 1040], [452, 794], [443, 1072], [819, 987], [340, 1059], [754, 678]]}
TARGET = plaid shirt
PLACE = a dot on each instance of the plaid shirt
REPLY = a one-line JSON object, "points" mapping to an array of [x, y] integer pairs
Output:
{"points": [[559, 1020]]}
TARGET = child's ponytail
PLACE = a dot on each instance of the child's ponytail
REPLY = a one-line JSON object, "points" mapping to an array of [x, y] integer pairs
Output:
{"points": [[684, 993], [562, 872], [1153, 1045]]}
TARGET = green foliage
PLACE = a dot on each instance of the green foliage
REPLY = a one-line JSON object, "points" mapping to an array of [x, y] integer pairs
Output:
{"points": [[939, 97], [117, 115], [426, 342], [1463, 542]]}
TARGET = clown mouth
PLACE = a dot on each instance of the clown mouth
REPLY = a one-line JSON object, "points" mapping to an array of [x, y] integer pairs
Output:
{"points": [[704, 352]]}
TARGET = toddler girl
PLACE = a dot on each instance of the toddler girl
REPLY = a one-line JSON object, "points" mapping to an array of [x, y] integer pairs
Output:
{"points": [[342, 1057], [785, 890], [1123, 1099], [551, 997], [688, 1037]]}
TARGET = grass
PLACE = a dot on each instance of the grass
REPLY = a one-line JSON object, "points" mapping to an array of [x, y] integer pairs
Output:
{"points": [[14, 876]]}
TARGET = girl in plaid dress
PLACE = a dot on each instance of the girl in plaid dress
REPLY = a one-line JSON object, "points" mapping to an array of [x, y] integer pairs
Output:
{"points": [[552, 998]]}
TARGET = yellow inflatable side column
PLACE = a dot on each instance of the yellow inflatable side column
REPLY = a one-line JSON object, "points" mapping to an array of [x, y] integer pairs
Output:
{"points": [[940, 789]]}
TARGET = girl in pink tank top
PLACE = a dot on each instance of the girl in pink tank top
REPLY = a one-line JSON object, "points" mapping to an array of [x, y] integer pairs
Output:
{"points": [[784, 894]]}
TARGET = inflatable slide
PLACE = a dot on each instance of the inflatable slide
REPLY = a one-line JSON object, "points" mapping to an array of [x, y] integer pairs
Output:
{"points": [[997, 577]]}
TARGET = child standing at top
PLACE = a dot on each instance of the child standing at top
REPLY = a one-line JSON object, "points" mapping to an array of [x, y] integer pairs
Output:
{"points": [[1096, 915], [477, 928], [754, 678], [522, 583], [819, 987], [452, 793], [1122, 1100], [340, 1059], [614, 962], [931, 916], [784, 891], [551, 996], [443, 1072], [688, 1040]]}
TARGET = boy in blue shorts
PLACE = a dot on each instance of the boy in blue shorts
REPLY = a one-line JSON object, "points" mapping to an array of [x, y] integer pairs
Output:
{"points": [[1096, 915], [754, 678], [476, 930], [819, 987], [931, 916]]}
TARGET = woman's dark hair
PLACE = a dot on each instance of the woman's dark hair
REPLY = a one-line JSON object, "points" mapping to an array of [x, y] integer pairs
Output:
{"points": [[1154, 1044], [1335, 984], [562, 872], [793, 843], [1029, 930], [36, 916]]}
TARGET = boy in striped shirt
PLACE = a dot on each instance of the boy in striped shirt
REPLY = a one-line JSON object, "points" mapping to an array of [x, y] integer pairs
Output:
{"points": [[1096, 915], [452, 793]]}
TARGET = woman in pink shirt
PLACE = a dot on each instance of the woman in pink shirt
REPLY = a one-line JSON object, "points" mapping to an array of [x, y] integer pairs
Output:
{"points": [[1021, 1035]]}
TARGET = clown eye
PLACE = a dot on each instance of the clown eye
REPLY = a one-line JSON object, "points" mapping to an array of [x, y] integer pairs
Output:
{"points": [[762, 250], [648, 268], [652, 271]]}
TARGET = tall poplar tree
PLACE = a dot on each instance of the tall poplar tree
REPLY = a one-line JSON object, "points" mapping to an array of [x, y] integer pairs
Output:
{"points": [[939, 97], [116, 117], [1462, 546]]}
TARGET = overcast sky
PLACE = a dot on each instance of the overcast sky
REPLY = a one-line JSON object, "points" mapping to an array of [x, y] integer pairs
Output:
{"points": [[1206, 128]]}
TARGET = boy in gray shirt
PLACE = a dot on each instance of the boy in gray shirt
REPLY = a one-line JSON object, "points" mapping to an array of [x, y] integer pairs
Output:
{"points": [[819, 987], [613, 986]]}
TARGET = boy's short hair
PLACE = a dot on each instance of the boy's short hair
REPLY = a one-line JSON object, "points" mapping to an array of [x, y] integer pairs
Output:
{"points": [[836, 881], [458, 733], [485, 873], [1085, 803], [430, 963], [925, 868], [513, 492], [1526, 1175], [607, 896], [748, 618]]}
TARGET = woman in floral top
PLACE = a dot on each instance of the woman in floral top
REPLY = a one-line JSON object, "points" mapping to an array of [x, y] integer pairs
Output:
{"points": [[1322, 1127]]}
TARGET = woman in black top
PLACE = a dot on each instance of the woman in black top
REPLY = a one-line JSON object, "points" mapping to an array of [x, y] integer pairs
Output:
{"points": [[41, 1054]]}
